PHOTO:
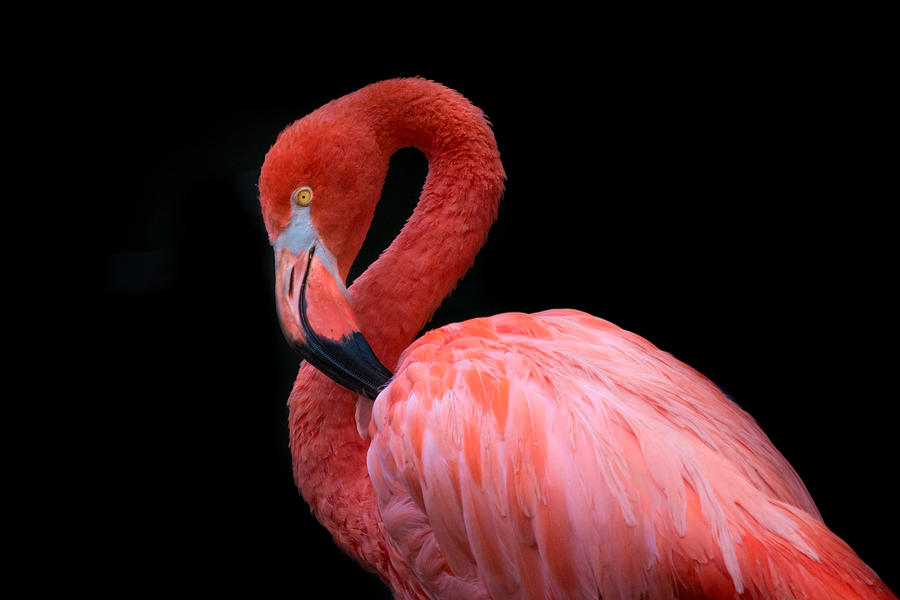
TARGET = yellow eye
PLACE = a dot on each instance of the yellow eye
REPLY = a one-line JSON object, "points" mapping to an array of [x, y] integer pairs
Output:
{"points": [[303, 195]]}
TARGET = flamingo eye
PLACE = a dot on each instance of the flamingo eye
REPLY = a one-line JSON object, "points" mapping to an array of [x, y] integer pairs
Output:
{"points": [[303, 195]]}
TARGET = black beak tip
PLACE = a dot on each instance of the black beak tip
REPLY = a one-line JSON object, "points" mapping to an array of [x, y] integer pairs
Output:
{"points": [[349, 362]]}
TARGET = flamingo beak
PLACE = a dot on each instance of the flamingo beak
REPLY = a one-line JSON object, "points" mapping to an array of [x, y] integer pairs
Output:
{"points": [[314, 309]]}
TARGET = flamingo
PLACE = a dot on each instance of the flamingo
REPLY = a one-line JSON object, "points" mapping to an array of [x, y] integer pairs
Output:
{"points": [[549, 455]]}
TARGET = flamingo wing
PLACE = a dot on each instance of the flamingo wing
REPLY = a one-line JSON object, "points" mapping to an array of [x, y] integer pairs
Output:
{"points": [[557, 456]]}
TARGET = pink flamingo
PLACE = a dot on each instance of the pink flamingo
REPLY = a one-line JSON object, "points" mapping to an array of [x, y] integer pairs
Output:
{"points": [[550, 455]]}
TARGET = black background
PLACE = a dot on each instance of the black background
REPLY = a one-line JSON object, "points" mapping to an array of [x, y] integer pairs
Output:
{"points": [[721, 201]]}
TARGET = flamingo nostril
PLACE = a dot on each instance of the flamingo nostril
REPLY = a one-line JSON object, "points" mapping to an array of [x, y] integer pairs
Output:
{"points": [[290, 278]]}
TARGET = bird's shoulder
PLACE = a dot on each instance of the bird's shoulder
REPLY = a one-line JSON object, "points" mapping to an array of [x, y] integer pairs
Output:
{"points": [[566, 357], [485, 367], [513, 344]]}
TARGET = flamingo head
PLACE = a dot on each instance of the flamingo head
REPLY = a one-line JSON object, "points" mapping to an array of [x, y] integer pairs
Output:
{"points": [[318, 187]]}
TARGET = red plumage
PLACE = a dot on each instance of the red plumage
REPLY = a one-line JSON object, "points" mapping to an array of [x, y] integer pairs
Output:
{"points": [[518, 456]]}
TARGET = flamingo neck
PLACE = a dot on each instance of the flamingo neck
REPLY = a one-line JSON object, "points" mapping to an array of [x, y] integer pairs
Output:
{"points": [[395, 297]]}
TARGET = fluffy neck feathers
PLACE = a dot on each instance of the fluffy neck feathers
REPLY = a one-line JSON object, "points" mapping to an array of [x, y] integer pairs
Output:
{"points": [[398, 294]]}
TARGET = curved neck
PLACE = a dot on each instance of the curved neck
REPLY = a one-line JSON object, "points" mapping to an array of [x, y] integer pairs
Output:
{"points": [[394, 298], [397, 295]]}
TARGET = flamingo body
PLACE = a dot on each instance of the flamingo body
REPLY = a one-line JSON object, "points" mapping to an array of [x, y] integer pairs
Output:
{"points": [[557, 456], [546, 456]]}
